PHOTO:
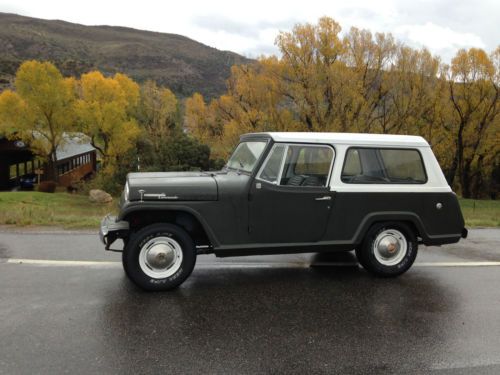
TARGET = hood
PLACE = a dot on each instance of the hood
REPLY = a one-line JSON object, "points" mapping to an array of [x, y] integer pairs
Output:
{"points": [[171, 186]]}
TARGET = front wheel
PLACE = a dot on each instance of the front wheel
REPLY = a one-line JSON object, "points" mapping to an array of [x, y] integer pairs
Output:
{"points": [[388, 250], [159, 257]]}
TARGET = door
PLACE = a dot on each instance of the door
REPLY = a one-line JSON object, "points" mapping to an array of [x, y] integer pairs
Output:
{"points": [[290, 200]]}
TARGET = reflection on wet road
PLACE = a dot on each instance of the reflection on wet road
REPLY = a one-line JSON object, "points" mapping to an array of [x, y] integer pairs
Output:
{"points": [[232, 318]]}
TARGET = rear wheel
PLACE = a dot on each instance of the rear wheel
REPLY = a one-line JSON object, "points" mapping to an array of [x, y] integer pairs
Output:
{"points": [[159, 257], [389, 249]]}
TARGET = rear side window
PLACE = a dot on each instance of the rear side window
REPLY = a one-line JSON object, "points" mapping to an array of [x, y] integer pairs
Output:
{"points": [[383, 166]]}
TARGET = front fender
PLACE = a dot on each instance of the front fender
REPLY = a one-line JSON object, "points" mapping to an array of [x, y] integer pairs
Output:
{"points": [[130, 207]]}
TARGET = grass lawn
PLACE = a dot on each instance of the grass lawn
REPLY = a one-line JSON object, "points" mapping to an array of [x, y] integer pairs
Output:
{"points": [[70, 211], [481, 213], [73, 211]]}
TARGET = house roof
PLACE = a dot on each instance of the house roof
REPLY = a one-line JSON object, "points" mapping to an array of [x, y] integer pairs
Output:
{"points": [[74, 144], [346, 138]]}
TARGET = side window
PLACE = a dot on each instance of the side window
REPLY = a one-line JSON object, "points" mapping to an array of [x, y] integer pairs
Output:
{"points": [[403, 166], [383, 166], [307, 166], [271, 170], [352, 166]]}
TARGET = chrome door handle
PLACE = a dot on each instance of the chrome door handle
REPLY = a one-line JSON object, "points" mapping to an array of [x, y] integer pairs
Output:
{"points": [[325, 198]]}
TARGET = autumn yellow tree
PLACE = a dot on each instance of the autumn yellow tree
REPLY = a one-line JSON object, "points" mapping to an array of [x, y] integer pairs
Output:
{"points": [[474, 91], [205, 123], [311, 58], [197, 118], [157, 112], [363, 82], [40, 110], [104, 111], [367, 58], [253, 103]]}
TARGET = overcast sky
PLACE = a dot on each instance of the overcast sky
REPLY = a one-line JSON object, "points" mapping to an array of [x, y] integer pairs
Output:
{"points": [[250, 27]]}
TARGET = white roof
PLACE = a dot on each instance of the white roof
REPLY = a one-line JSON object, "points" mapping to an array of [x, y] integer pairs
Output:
{"points": [[73, 144], [348, 138]]}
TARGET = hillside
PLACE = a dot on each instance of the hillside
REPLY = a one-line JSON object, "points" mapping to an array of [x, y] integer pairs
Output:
{"points": [[173, 60]]}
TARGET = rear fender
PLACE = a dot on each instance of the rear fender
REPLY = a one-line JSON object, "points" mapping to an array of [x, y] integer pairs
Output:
{"points": [[377, 217]]}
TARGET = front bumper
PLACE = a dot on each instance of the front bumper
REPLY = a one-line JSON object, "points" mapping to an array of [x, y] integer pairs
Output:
{"points": [[111, 229]]}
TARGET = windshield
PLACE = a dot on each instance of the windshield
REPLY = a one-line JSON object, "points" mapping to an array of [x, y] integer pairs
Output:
{"points": [[246, 155]]}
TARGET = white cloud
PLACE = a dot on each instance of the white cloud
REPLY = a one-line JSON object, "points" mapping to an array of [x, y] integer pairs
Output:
{"points": [[245, 28], [438, 39], [251, 28]]}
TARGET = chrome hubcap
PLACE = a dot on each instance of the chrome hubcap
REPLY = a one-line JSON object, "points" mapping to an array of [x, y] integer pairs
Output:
{"points": [[390, 247], [160, 257]]}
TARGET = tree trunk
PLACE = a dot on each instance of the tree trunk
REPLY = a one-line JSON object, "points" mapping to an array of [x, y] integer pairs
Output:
{"points": [[477, 179], [52, 173], [465, 179], [451, 173], [458, 158]]}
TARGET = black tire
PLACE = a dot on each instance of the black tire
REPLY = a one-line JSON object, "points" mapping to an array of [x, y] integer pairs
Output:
{"points": [[366, 251], [132, 251]]}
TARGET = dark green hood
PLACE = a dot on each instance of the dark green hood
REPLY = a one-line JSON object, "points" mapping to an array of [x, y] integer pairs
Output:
{"points": [[171, 186]]}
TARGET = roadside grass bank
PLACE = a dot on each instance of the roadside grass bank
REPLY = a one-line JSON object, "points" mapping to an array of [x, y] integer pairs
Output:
{"points": [[73, 211], [69, 211], [481, 213]]}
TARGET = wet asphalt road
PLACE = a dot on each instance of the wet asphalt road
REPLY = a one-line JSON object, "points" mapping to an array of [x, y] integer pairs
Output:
{"points": [[272, 314]]}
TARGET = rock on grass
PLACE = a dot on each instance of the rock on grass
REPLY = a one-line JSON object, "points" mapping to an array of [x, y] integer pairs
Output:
{"points": [[99, 196]]}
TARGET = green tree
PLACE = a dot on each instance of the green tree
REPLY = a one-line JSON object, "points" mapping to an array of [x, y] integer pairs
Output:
{"points": [[183, 153]]}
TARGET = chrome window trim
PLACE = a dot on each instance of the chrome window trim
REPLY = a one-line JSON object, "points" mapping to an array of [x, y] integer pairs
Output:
{"points": [[282, 164], [126, 191], [263, 166]]}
